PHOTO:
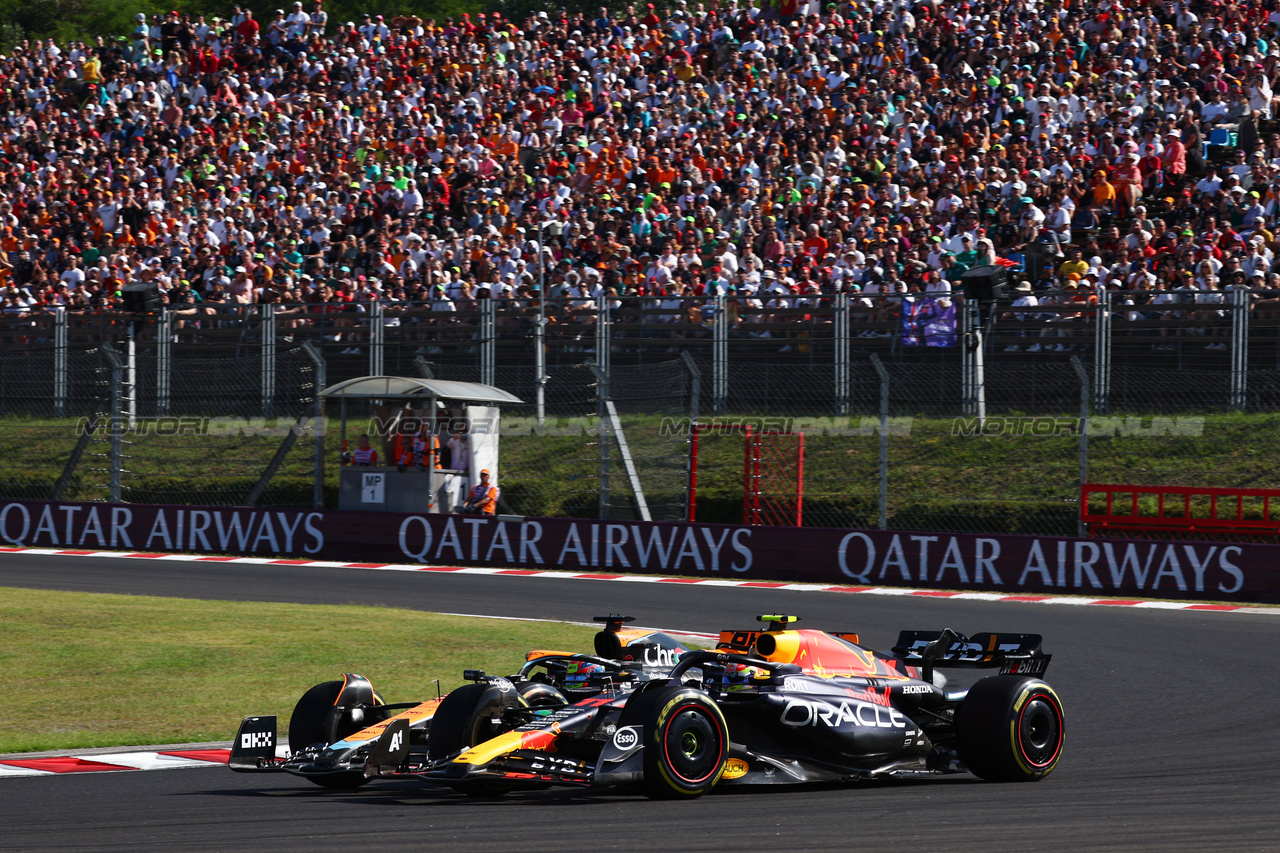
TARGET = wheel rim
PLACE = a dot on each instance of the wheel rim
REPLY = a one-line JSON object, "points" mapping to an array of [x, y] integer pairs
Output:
{"points": [[692, 744], [1040, 731]]}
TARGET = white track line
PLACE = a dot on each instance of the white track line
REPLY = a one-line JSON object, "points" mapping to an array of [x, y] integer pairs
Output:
{"points": [[1073, 601]]}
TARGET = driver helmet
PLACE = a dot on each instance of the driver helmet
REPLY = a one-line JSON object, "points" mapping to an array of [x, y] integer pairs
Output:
{"points": [[737, 677]]}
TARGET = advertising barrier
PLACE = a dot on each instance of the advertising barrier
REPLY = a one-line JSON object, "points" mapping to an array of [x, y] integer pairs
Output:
{"points": [[1035, 565]]}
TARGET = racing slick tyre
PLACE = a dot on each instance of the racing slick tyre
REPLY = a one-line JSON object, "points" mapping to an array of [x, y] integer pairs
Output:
{"points": [[686, 741], [310, 719], [468, 716], [1010, 729], [309, 724]]}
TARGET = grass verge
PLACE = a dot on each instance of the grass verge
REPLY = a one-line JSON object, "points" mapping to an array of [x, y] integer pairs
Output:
{"points": [[117, 670]]}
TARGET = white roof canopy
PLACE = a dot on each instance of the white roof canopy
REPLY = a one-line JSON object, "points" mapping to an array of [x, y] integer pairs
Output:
{"points": [[410, 388]]}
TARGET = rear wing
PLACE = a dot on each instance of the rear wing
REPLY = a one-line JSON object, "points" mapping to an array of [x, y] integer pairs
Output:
{"points": [[1013, 654]]}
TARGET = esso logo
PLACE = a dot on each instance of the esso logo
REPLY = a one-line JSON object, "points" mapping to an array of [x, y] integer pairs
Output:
{"points": [[626, 738]]}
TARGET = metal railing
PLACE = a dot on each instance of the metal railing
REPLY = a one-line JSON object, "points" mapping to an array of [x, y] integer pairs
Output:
{"points": [[756, 354]]}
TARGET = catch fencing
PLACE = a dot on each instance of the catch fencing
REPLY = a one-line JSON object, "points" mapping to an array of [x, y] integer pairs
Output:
{"points": [[957, 418]]}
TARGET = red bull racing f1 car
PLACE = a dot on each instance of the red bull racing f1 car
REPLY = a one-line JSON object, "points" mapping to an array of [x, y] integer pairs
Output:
{"points": [[775, 706]]}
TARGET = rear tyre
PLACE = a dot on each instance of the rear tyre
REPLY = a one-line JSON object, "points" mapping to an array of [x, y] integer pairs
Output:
{"points": [[1011, 729], [686, 741]]}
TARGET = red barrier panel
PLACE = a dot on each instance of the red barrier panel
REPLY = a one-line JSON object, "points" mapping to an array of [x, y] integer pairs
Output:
{"points": [[1032, 565], [1164, 511]]}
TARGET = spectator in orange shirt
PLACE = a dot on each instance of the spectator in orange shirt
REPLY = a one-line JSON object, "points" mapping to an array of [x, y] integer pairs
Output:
{"points": [[1104, 194], [483, 498]]}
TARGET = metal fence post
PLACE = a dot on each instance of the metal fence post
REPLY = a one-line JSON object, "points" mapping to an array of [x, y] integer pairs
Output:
{"points": [[377, 338], [882, 519], [116, 419], [842, 354], [319, 428], [540, 368], [129, 381], [488, 341], [604, 333], [60, 363], [1083, 475], [720, 356], [1239, 348], [695, 395], [164, 360], [1102, 354], [267, 330], [972, 392]]}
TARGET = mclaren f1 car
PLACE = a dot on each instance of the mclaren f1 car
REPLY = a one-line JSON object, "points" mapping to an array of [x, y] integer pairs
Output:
{"points": [[338, 726], [766, 707]]}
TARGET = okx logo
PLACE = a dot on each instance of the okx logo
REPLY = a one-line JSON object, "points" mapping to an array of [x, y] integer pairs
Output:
{"points": [[254, 740]]}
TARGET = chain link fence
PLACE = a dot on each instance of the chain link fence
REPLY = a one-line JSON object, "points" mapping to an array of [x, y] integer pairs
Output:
{"points": [[100, 437], [44, 454], [219, 406], [1015, 471], [213, 446]]}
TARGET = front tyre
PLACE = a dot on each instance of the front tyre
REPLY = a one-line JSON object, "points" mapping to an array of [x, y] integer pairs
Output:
{"points": [[1011, 729], [310, 723], [469, 716], [686, 741]]}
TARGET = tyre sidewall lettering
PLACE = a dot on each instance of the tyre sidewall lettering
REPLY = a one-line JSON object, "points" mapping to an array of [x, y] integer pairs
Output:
{"points": [[661, 724], [1029, 692]]}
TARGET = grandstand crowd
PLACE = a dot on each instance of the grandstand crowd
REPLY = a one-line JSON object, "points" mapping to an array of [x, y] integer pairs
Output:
{"points": [[778, 153]]}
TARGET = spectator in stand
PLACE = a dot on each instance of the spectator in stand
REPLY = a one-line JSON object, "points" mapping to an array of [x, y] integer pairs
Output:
{"points": [[845, 149]]}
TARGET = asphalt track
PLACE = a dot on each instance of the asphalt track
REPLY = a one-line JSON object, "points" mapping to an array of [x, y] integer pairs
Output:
{"points": [[1171, 737]]}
